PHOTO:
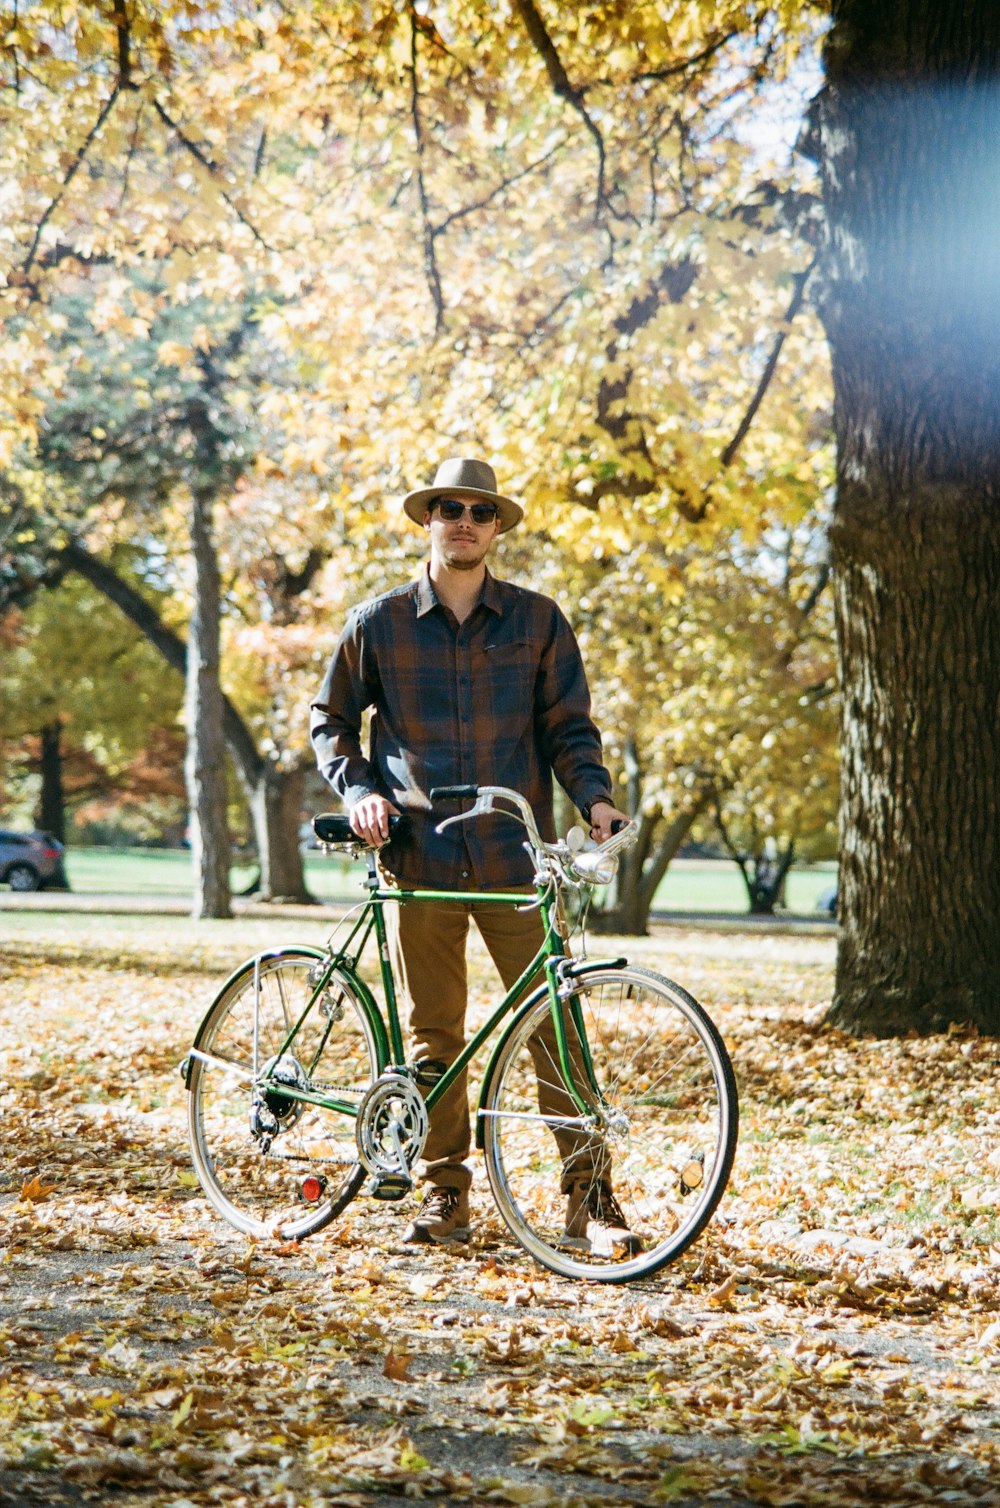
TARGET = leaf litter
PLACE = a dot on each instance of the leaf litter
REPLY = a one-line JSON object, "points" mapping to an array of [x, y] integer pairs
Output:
{"points": [[833, 1337]]}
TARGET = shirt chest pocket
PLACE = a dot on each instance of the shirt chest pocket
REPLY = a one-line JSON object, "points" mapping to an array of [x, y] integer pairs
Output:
{"points": [[509, 652], [508, 669]]}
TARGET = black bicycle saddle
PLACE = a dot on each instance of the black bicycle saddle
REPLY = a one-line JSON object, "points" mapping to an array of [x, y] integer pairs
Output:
{"points": [[334, 827]]}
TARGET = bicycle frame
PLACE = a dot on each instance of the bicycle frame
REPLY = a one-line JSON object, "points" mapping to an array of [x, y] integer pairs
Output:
{"points": [[549, 963], [602, 1082]]}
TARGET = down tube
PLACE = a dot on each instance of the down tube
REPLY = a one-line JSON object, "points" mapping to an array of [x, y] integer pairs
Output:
{"points": [[547, 956]]}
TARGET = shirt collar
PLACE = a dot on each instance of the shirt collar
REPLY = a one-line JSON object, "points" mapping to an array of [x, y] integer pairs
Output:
{"points": [[424, 593], [491, 595], [426, 598]]}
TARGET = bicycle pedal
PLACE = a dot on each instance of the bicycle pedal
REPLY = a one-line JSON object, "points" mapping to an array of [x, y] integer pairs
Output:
{"points": [[391, 1186]]}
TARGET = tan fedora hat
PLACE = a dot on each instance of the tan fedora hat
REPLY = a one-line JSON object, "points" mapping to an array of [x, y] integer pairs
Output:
{"points": [[463, 478]]}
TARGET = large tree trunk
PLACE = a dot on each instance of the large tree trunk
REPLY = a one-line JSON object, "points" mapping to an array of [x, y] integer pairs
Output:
{"points": [[205, 762], [907, 138]]}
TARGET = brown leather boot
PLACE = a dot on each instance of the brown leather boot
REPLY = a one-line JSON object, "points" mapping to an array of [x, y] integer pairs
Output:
{"points": [[443, 1216], [595, 1222]]}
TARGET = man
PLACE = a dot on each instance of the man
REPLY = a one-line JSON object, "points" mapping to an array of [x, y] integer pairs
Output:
{"points": [[470, 680]]}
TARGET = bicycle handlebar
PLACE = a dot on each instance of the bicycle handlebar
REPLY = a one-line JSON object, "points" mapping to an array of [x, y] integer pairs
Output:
{"points": [[595, 866]]}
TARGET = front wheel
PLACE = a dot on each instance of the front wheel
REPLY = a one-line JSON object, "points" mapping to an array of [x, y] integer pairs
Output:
{"points": [[617, 1193], [271, 1164]]}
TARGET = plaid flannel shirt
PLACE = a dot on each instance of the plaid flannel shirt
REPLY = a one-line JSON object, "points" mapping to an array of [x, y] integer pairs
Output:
{"points": [[500, 699]]}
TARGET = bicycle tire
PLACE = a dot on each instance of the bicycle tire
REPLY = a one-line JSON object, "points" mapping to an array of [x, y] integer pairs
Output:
{"points": [[665, 1085], [263, 1193]]}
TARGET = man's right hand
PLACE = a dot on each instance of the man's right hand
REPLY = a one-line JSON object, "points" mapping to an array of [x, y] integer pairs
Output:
{"points": [[369, 818]]}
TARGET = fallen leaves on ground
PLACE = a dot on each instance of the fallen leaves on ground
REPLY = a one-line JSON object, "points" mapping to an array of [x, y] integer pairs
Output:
{"points": [[833, 1337]]}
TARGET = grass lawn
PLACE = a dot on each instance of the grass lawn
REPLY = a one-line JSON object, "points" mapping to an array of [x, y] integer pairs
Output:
{"points": [[690, 885], [167, 871]]}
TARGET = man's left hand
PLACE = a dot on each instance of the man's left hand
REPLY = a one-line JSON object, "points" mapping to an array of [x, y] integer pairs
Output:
{"points": [[602, 817]]}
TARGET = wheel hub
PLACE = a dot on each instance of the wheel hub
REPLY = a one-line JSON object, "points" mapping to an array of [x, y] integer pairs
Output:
{"points": [[617, 1125], [286, 1109]]}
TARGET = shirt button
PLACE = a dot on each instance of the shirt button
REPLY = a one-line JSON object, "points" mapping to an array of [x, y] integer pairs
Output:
{"points": [[465, 874]]}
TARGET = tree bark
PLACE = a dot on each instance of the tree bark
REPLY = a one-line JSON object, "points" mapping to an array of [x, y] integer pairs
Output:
{"points": [[906, 134], [204, 765]]}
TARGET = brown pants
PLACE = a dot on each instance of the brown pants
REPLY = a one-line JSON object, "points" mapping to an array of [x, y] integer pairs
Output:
{"points": [[428, 942]]}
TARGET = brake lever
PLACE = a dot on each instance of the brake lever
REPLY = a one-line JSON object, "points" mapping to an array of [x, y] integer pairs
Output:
{"points": [[482, 805], [450, 821]]}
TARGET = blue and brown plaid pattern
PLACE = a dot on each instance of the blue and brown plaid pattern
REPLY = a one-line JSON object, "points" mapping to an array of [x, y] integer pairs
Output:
{"points": [[500, 699]]}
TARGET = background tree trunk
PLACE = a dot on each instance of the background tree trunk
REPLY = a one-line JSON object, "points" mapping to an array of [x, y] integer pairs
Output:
{"points": [[204, 765], [276, 805], [642, 867], [52, 800], [906, 134], [277, 846]]}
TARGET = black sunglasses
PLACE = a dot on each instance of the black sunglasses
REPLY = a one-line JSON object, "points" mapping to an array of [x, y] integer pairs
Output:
{"points": [[451, 510]]}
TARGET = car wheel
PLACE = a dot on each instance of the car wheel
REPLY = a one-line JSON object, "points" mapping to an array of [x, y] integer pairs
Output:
{"points": [[22, 877]]}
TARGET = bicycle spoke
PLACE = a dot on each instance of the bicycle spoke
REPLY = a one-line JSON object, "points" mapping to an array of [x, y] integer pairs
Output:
{"points": [[247, 1137], [667, 1101]]}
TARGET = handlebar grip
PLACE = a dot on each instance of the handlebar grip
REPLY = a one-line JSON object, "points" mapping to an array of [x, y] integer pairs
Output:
{"points": [[454, 792]]}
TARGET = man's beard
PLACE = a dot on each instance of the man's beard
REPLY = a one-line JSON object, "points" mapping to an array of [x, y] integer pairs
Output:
{"points": [[456, 562]]}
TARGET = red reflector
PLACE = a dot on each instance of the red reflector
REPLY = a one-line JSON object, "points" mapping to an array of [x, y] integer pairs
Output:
{"points": [[312, 1188], [50, 853]]}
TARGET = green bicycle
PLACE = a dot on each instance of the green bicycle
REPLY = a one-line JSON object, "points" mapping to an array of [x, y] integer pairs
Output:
{"points": [[300, 1093]]}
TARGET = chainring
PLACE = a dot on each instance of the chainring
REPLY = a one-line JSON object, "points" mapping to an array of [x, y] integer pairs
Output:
{"points": [[392, 1111]]}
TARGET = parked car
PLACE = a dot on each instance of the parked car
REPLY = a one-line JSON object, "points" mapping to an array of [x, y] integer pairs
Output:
{"points": [[28, 860], [827, 902]]}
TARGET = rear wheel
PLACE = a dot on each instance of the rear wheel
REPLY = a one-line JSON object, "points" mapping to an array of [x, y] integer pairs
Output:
{"points": [[618, 1193], [22, 877], [271, 1164]]}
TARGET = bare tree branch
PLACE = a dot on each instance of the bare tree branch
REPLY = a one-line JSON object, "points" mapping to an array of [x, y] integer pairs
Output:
{"points": [[430, 251], [501, 187], [560, 81], [68, 177], [623, 425], [819, 587], [683, 65], [799, 280], [17, 66], [671, 283], [76, 557], [124, 45], [201, 157]]}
